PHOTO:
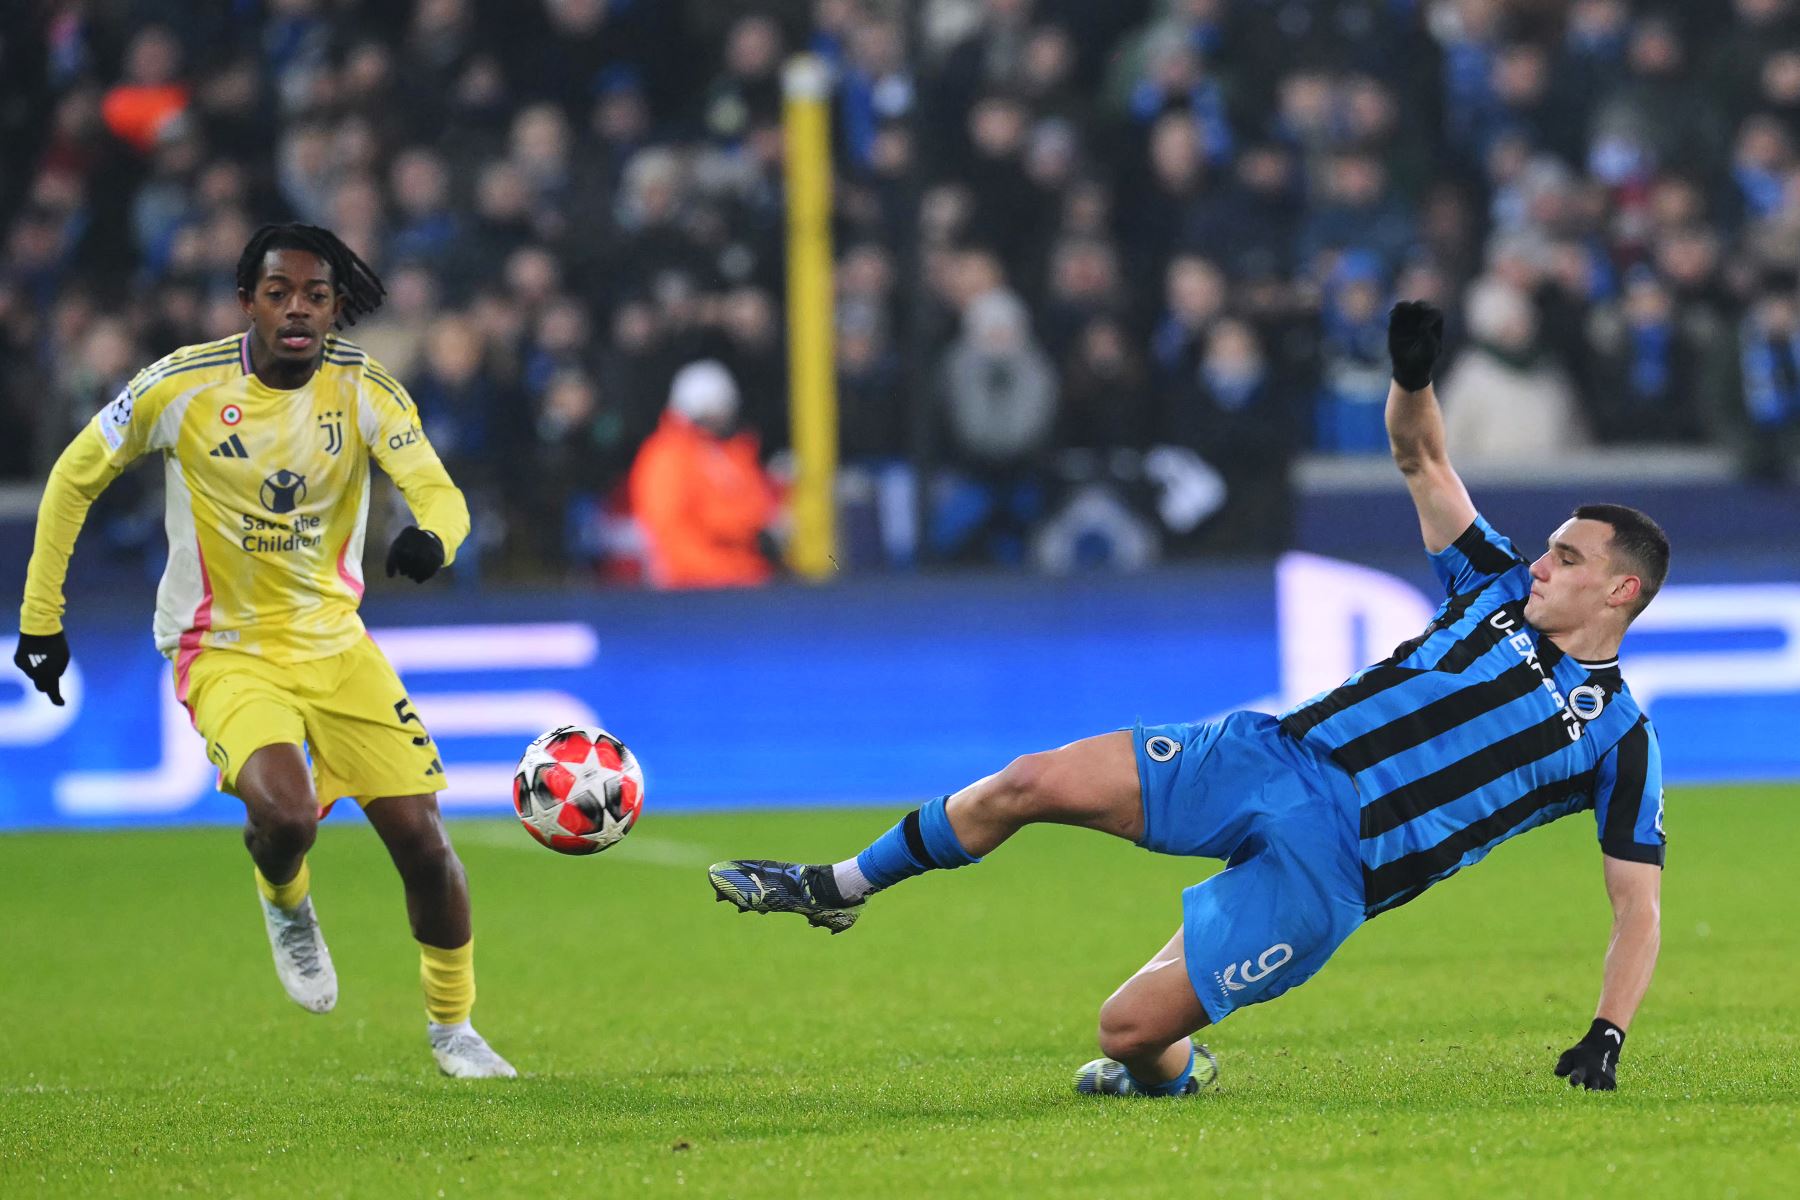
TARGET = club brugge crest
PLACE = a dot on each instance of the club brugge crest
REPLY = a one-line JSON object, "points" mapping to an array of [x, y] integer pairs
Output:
{"points": [[283, 491], [1588, 701]]}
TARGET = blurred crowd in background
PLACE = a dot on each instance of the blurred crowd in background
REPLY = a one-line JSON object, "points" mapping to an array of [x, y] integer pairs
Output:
{"points": [[1157, 240]]}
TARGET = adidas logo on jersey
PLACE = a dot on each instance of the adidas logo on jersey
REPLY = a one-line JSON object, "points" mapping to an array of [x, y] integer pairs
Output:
{"points": [[231, 447]]}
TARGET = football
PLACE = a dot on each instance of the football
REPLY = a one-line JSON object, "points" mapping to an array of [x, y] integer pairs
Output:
{"points": [[578, 790]]}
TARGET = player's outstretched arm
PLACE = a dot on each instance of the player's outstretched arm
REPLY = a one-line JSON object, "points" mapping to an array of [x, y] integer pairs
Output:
{"points": [[1416, 426], [81, 473], [1635, 890], [397, 442]]}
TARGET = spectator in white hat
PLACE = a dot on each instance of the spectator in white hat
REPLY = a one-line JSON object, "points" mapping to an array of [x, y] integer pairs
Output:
{"points": [[699, 491]]}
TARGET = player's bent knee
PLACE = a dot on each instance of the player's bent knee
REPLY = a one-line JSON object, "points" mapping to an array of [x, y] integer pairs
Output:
{"points": [[1048, 786], [1021, 776], [1128, 1042], [277, 790], [281, 806], [1025, 789], [285, 830], [1127, 1031], [1119, 1034]]}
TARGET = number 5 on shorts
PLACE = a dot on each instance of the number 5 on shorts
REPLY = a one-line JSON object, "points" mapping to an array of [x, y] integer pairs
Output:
{"points": [[403, 710]]}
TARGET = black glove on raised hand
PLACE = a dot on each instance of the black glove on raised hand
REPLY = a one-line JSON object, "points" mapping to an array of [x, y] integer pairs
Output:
{"points": [[1591, 1062], [44, 657], [416, 553], [1415, 335]]}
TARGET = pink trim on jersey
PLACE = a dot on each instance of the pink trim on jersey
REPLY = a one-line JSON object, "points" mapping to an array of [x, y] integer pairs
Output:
{"points": [[350, 581], [244, 352], [188, 649]]}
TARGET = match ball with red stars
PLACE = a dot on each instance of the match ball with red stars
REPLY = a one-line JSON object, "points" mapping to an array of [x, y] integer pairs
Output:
{"points": [[578, 790]]}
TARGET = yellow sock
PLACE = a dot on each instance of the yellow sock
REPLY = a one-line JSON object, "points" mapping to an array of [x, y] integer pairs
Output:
{"points": [[286, 895], [449, 979]]}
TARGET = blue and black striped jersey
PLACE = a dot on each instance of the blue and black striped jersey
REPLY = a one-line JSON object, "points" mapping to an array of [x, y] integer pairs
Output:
{"points": [[1481, 728]]}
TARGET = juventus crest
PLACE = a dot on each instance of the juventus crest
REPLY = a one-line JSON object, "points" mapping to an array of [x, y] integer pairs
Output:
{"points": [[333, 425]]}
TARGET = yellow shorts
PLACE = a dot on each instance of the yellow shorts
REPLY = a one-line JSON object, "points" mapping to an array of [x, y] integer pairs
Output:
{"points": [[350, 710]]}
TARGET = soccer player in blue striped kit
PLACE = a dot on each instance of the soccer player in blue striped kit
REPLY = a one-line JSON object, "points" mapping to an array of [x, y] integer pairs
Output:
{"points": [[1507, 712]]}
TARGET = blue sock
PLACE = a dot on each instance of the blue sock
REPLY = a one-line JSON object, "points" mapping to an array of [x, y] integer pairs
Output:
{"points": [[1171, 1088], [921, 842]]}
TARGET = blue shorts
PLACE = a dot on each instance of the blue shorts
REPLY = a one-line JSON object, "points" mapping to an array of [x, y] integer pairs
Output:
{"points": [[1286, 822]]}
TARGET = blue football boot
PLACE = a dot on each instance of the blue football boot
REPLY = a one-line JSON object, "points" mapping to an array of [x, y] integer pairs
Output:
{"points": [[764, 886], [1107, 1077]]}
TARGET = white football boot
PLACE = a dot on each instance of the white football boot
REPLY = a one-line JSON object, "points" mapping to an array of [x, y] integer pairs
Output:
{"points": [[302, 962], [462, 1053]]}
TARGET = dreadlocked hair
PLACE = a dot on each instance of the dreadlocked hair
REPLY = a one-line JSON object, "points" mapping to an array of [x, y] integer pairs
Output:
{"points": [[353, 278]]}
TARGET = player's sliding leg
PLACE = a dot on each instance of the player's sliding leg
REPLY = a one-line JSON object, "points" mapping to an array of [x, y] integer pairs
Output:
{"points": [[1092, 783], [437, 906], [1144, 1033], [281, 820]]}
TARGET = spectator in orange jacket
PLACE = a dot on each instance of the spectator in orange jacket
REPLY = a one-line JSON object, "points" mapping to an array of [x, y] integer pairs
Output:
{"points": [[699, 491]]}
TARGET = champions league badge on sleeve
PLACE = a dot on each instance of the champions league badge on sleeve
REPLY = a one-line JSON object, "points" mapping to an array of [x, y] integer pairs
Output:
{"points": [[115, 419]]}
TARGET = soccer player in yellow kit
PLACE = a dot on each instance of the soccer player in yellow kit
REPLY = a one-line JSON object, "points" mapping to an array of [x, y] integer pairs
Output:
{"points": [[266, 439]]}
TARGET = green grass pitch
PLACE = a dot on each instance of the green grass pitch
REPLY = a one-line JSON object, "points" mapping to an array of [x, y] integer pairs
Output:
{"points": [[670, 1046]]}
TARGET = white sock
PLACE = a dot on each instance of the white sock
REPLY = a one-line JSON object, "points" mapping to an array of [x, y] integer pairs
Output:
{"points": [[851, 883], [440, 1033]]}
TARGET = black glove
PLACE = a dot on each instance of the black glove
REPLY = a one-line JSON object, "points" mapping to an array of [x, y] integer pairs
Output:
{"points": [[1590, 1063], [1415, 335], [44, 657], [416, 553]]}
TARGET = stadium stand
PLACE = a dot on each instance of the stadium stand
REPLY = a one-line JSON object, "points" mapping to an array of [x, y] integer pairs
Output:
{"points": [[1156, 240]]}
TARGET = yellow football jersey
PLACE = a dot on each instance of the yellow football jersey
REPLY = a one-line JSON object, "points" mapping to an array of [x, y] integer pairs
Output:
{"points": [[268, 497]]}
